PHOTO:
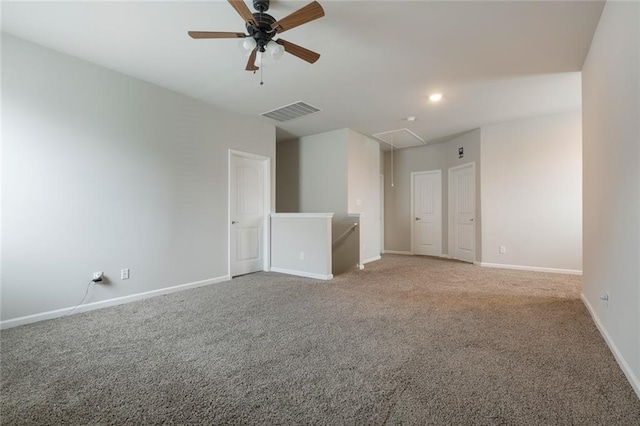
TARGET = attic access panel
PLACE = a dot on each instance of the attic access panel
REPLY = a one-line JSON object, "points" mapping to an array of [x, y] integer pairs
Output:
{"points": [[400, 138]]}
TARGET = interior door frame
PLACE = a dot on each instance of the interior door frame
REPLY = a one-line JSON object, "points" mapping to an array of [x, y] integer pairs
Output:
{"points": [[452, 216], [266, 234], [412, 218], [381, 214]]}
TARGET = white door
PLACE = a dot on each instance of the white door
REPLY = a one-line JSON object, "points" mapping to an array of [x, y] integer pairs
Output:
{"points": [[427, 213], [463, 207], [247, 212]]}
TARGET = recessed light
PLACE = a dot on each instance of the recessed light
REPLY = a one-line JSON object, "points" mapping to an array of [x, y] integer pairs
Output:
{"points": [[435, 97], [411, 118]]}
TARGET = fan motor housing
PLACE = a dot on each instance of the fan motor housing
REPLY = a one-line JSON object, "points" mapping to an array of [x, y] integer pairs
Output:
{"points": [[263, 33], [261, 5]]}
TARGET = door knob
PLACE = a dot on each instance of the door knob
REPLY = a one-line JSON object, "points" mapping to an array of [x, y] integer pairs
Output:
{"points": [[233, 222], [470, 220], [417, 218]]}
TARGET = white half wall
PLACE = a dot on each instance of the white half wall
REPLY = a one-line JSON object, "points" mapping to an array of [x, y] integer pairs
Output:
{"points": [[100, 172], [301, 244], [611, 117], [532, 192]]}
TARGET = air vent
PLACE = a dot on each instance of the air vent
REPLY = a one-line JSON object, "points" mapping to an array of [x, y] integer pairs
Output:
{"points": [[291, 112]]}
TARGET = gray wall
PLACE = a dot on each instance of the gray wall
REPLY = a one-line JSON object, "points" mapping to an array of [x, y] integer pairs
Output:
{"points": [[288, 176], [532, 192], [312, 174], [345, 251], [101, 172], [397, 202], [611, 173], [364, 191]]}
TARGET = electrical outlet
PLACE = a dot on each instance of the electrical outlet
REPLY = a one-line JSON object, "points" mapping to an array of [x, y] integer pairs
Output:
{"points": [[301, 255], [502, 250], [97, 275], [124, 274]]}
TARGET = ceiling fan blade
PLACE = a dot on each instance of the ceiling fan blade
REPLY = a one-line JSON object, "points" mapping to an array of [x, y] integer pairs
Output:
{"points": [[308, 13], [243, 11], [300, 52], [215, 34], [251, 62]]}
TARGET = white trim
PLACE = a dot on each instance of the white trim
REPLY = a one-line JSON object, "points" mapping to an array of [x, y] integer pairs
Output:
{"points": [[413, 175], [267, 220], [360, 266], [404, 253], [624, 366], [445, 256], [529, 268], [249, 155], [381, 213], [371, 259], [411, 207], [355, 214], [452, 218], [302, 273], [303, 215], [266, 228], [14, 322]]}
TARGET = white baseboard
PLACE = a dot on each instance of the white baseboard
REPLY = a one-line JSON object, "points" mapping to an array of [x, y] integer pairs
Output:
{"points": [[302, 273], [624, 366], [372, 259], [529, 268], [14, 322], [408, 253]]}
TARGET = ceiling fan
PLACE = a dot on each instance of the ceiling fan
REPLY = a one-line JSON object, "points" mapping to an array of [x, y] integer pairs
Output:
{"points": [[262, 28]]}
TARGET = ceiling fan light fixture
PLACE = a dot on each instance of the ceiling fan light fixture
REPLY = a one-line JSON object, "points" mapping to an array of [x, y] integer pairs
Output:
{"points": [[275, 50], [262, 59], [249, 43]]}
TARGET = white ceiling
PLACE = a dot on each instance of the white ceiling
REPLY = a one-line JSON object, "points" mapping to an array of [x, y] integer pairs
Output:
{"points": [[493, 61]]}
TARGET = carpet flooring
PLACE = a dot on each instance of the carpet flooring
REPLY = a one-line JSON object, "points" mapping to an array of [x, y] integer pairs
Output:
{"points": [[408, 340]]}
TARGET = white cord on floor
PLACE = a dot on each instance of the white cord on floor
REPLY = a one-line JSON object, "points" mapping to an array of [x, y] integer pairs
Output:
{"points": [[83, 299]]}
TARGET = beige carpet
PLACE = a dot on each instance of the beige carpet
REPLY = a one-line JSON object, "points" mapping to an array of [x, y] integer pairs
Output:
{"points": [[408, 340]]}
